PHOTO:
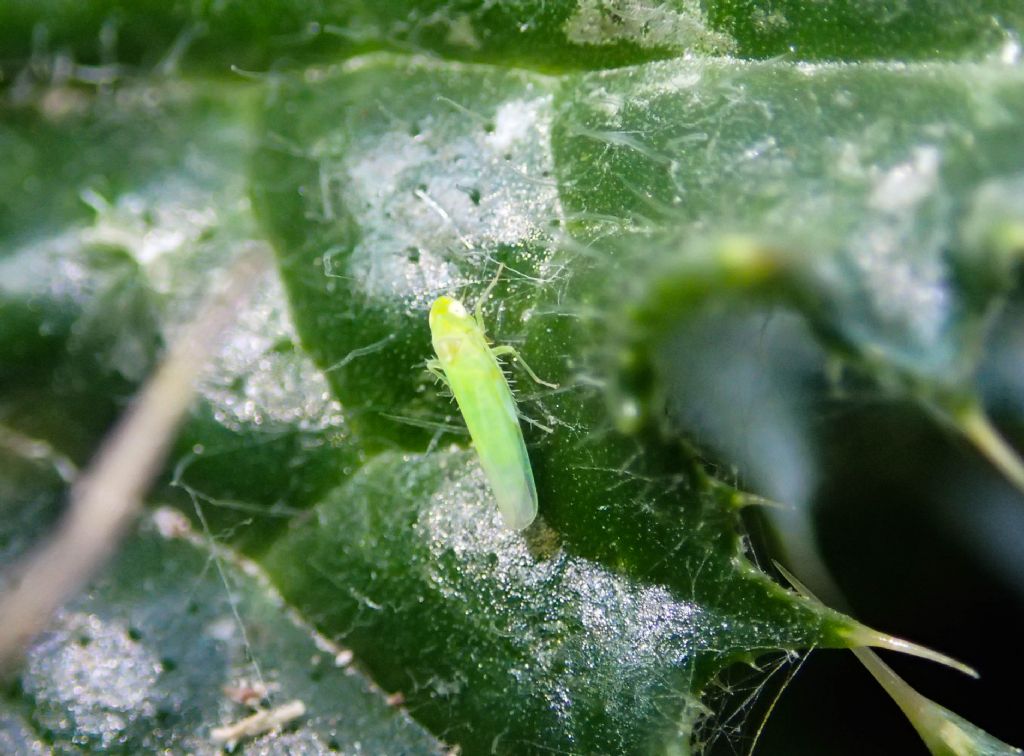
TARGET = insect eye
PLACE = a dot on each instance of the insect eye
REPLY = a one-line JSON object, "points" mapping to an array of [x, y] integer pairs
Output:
{"points": [[456, 308]]}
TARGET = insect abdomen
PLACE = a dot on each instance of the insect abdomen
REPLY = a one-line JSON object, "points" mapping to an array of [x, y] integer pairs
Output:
{"points": [[487, 404]]}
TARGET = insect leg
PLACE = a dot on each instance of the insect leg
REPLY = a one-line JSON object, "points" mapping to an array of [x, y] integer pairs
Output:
{"points": [[435, 369], [478, 312], [536, 424], [511, 351]]}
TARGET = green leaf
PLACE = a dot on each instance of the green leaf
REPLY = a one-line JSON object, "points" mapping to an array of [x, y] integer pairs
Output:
{"points": [[868, 29], [382, 189], [853, 195], [635, 214], [504, 641], [142, 244], [150, 657], [31, 486], [110, 36], [99, 40], [377, 204]]}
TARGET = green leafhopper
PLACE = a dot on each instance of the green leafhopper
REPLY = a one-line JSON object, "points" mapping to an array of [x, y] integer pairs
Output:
{"points": [[469, 365]]}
